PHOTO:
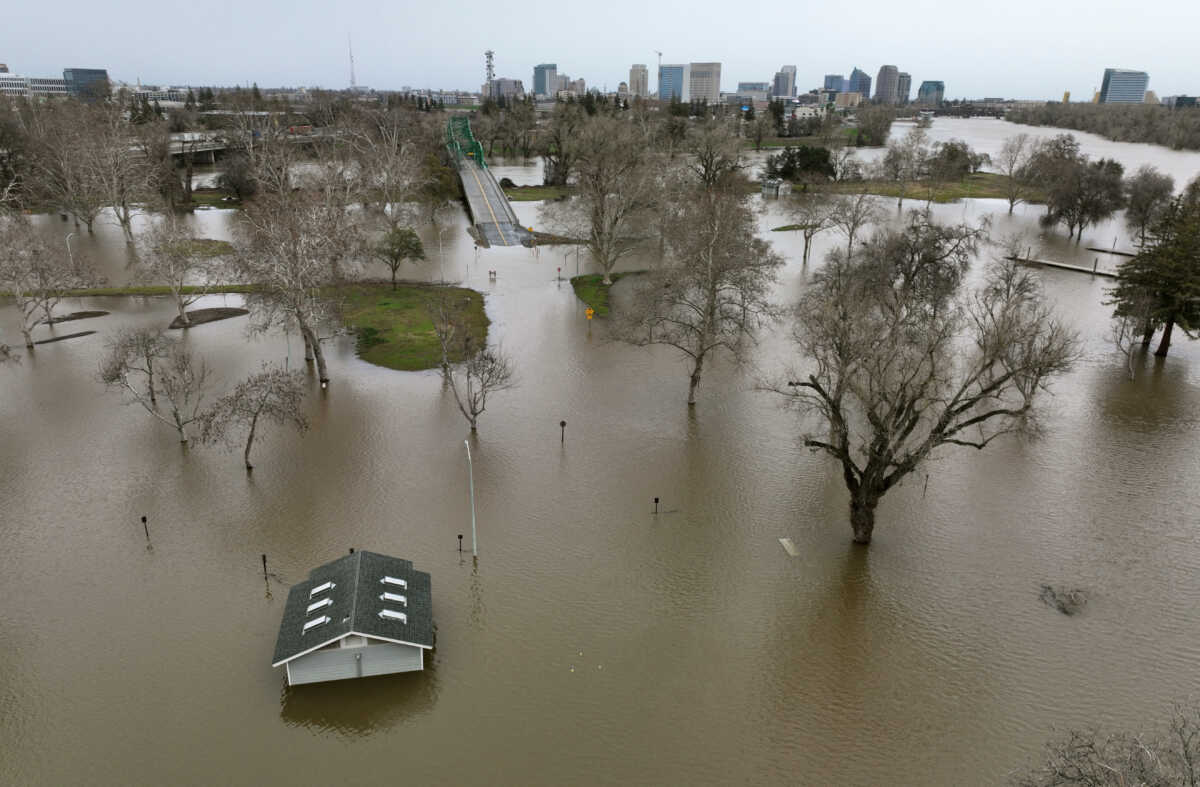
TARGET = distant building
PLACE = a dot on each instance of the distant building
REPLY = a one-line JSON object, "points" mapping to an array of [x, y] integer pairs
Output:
{"points": [[759, 91], [673, 82], [1122, 86], [835, 83], [86, 83], [545, 78], [887, 84], [931, 93], [859, 83], [847, 100], [639, 80], [784, 84], [1174, 102], [1151, 98], [578, 87], [506, 88], [704, 82], [363, 614], [623, 90], [3, 68], [903, 87]]}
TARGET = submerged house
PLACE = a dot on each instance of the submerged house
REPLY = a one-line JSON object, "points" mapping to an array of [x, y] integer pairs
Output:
{"points": [[360, 615]]}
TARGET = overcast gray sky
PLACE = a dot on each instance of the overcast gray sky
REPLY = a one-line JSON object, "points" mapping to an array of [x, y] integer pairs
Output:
{"points": [[1013, 48]]}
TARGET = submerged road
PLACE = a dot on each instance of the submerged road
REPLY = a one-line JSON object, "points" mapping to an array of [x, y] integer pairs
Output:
{"points": [[490, 210]]}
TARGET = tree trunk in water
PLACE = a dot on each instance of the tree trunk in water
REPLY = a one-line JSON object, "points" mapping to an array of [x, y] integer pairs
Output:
{"points": [[250, 441], [183, 318], [807, 246], [1165, 343], [187, 181], [28, 337], [1147, 334], [308, 353], [862, 518], [695, 381], [319, 354]]}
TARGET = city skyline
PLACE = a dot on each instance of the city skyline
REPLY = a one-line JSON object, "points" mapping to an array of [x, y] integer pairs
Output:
{"points": [[306, 46]]}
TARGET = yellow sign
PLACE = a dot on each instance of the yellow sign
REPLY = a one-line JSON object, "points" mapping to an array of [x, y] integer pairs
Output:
{"points": [[590, 312]]}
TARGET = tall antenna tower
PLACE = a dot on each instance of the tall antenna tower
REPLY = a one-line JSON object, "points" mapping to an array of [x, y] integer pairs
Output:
{"points": [[350, 46], [659, 71], [490, 58]]}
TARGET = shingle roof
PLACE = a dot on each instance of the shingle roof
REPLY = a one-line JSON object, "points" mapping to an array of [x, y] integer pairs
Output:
{"points": [[358, 585]]}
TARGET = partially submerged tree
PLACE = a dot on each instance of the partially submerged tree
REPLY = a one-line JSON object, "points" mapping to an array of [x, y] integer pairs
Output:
{"points": [[1013, 163], [188, 266], [716, 153], [712, 292], [273, 395], [1148, 193], [1162, 283], [615, 190], [141, 361], [901, 361], [852, 213], [1090, 758], [482, 372], [119, 168], [811, 214], [36, 277], [905, 161], [399, 245]]}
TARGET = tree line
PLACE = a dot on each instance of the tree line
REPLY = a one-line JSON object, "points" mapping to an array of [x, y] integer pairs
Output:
{"points": [[1178, 129]]}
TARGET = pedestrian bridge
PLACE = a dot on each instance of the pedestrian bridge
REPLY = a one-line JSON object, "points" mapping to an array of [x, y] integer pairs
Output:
{"points": [[493, 216]]}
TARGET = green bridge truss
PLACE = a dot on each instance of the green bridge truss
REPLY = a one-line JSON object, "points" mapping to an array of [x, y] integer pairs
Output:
{"points": [[462, 143]]}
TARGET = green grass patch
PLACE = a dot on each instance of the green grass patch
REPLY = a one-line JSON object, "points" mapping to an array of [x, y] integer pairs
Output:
{"points": [[207, 247], [214, 198], [533, 193], [394, 327], [981, 185], [591, 289], [788, 228]]}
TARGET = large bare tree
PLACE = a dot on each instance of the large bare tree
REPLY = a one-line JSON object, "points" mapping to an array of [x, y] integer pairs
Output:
{"points": [[811, 214], [482, 372], [119, 168], [150, 367], [64, 146], [711, 293], [616, 186], [36, 276], [295, 248], [273, 395], [852, 213], [188, 266], [1013, 162], [901, 360]]}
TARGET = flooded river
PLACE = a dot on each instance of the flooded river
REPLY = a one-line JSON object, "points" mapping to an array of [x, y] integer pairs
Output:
{"points": [[595, 642]]}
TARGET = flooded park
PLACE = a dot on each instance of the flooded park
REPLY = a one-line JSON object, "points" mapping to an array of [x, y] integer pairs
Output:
{"points": [[594, 640]]}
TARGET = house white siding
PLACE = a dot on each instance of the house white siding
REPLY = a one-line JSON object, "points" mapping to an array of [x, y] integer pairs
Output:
{"points": [[354, 662]]}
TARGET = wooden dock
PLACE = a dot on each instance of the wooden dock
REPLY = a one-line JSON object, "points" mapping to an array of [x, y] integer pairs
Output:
{"points": [[1094, 270]]}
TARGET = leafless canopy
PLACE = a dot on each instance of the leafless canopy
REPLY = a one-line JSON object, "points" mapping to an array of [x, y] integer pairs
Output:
{"points": [[149, 366], [901, 360], [37, 276], [170, 255], [273, 394], [484, 371]]}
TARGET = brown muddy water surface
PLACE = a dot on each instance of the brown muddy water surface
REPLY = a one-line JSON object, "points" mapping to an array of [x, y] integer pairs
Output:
{"points": [[595, 642]]}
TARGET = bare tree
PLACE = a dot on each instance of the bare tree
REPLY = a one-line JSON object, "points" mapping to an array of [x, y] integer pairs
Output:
{"points": [[273, 395], [1094, 759], [139, 360], [905, 160], [294, 248], [64, 147], [483, 371], [846, 165], [615, 189], [558, 143], [188, 266], [811, 214], [1013, 163], [119, 168], [37, 278], [716, 153], [712, 292], [388, 150], [902, 362], [851, 213]]}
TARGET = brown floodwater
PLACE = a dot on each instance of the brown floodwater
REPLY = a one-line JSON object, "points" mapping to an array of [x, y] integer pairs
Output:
{"points": [[595, 642]]}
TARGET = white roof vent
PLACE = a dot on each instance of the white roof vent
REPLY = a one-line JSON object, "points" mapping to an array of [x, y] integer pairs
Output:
{"points": [[392, 614], [321, 589], [313, 607], [399, 599], [393, 581], [314, 623]]}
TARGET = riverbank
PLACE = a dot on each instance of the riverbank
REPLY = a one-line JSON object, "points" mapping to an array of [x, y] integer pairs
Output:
{"points": [[980, 185], [591, 289]]}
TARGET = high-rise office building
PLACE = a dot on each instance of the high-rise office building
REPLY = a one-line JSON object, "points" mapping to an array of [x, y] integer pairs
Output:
{"points": [[759, 91], [835, 82], [673, 82], [931, 93], [704, 82], [784, 83], [859, 83], [903, 87], [886, 84], [639, 80], [545, 79], [1122, 86]]}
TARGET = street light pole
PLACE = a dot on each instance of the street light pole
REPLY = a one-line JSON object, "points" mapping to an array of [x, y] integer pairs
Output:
{"points": [[70, 254], [471, 475]]}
